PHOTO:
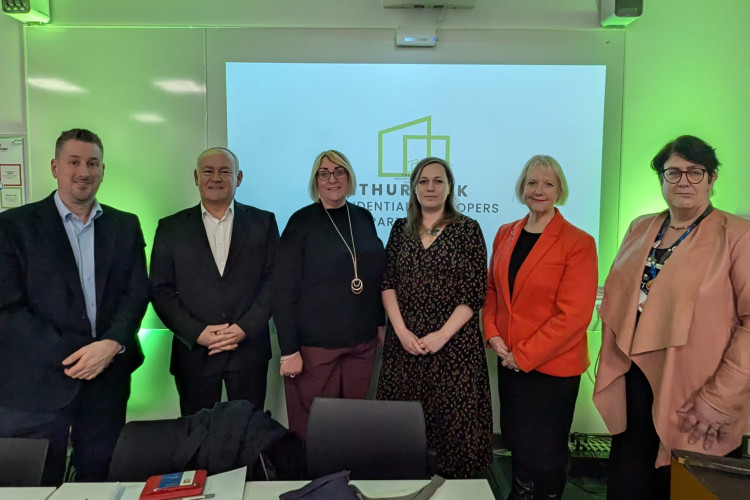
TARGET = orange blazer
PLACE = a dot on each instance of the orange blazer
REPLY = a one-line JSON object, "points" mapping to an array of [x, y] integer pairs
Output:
{"points": [[545, 323]]}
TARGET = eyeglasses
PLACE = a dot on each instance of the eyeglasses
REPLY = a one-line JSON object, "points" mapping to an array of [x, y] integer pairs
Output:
{"points": [[338, 173], [673, 175]]}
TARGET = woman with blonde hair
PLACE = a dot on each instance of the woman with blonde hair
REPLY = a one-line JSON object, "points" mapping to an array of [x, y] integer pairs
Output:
{"points": [[540, 298], [326, 293]]}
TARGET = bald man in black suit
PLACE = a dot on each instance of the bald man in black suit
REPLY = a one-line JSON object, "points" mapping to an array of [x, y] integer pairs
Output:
{"points": [[210, 269]]}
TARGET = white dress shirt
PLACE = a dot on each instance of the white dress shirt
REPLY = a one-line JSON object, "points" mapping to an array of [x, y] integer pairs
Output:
{"points": [[219, 233]]}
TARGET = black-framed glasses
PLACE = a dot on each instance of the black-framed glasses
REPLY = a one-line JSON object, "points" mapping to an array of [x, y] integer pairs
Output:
{"points": [[673, 175], [338, 173]]}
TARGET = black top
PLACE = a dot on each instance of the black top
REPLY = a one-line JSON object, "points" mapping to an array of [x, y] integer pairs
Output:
{"points": [[313, 303], [525, 243]]}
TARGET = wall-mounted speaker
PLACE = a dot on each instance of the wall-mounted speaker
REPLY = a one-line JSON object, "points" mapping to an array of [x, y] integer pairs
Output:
{"points": [[620, 12], [27, 11]]}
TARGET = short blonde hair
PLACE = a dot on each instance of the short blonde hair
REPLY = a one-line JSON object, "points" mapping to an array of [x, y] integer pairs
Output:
{"points": [[339, 159], [547, 163]]}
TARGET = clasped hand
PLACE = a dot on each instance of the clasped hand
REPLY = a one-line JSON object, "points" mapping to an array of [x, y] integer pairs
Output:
{"points": [[506, 357], [702, 421], [90, 360], [429, 344], [219, 338]]}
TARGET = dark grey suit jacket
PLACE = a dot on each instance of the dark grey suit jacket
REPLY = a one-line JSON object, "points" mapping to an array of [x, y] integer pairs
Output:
{"points": [[43, 316], [189, 293]]}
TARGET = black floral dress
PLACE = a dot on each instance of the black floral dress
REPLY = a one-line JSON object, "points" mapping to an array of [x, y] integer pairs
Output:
{"points": [[452, 384]]}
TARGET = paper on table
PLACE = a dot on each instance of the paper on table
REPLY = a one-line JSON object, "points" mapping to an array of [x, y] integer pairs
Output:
{"points": [[227, 485], [88, 491]]}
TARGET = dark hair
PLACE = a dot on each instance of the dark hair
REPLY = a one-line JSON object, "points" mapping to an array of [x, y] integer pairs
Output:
{"points": [[414, 210], [690, 148], [78, 134]]}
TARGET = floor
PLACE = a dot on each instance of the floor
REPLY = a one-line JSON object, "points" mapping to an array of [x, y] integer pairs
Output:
{"points": [[586, 477]]}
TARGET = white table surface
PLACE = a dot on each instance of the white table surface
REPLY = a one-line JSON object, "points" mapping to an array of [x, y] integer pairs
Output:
{"points": [[453, 489], [35, 493]]}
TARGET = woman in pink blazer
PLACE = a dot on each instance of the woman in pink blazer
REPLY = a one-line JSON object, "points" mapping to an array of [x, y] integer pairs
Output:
{"points": [[541, 291], [674, 370]]}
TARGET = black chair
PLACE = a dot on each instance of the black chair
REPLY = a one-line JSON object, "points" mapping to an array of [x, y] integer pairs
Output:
{"points": [[372, 439], [145, 448], [219, 439], [22, 461]]}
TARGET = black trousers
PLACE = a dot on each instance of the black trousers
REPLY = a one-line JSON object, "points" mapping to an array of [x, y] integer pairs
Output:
{"points": [[93, 422], [536, 412], [631, 472], [197, 393]]}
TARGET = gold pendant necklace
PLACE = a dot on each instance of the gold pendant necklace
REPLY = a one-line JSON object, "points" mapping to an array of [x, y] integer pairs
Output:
{"points": [[357, 285]]}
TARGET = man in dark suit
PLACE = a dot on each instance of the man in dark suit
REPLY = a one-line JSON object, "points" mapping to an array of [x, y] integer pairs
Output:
{"points": [[73, 291], [210, 270]]}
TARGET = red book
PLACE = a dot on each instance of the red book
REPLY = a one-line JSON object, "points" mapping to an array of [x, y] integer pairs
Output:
{"points": [[176, 485]]}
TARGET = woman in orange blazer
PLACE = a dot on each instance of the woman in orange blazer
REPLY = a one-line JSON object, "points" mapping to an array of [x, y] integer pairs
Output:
{"points": [[541, 291]]}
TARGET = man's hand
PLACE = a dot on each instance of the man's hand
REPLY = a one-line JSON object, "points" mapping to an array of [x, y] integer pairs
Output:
{"points": [[209, 334], [90, 360], [226, 339]]}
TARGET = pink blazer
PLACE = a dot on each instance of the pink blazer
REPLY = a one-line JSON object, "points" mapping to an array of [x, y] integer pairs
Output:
{"points": [[545, 323], [693, 335]]}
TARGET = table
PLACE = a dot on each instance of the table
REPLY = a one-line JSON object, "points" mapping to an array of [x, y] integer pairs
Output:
{"points": [[29, 493], [453, 489]]}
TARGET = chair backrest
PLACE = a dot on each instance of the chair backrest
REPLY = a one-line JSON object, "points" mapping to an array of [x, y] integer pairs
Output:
{"points": [[22, 461], [146, 448], [373, 439]]}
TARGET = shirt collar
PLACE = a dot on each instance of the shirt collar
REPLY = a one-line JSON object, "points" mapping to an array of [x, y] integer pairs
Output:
{"points": [[205, 212], [66, 213]]}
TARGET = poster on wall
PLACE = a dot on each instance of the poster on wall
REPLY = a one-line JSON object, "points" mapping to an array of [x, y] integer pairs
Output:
{"points": [[13, 176]]}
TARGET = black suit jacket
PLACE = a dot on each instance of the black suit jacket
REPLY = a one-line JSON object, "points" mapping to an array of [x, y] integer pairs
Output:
{"points": [[189, 293], [43, 316]]}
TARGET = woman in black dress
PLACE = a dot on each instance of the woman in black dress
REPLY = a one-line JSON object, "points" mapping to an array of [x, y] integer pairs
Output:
{"points": [[434, 285], [326, 300]]}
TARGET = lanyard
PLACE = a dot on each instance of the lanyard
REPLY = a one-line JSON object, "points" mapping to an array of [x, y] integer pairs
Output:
{"points": [[652, 257]]}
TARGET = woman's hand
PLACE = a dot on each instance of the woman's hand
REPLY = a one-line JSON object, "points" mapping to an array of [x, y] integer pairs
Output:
{"points": [[410, 343], [500, 347], [433, 342], [291, 366], [702, 421], [510, 362]]}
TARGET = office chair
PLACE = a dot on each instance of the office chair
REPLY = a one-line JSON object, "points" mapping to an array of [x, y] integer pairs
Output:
{"points": [[22, 461], [146, 448], [373, 439]]}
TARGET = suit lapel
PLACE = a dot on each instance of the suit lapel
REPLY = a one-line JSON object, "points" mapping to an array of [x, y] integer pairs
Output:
{"points": [[507, 251], [52, 231], [105, 236], [197, 235], [546, 240], [240, 230], [622, 288]]}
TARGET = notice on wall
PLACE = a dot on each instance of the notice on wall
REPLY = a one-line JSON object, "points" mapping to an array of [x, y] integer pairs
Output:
{"points": [[13, 178]]}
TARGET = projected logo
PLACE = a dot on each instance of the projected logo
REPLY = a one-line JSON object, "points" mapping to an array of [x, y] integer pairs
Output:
{"points": [[401, 147]]}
